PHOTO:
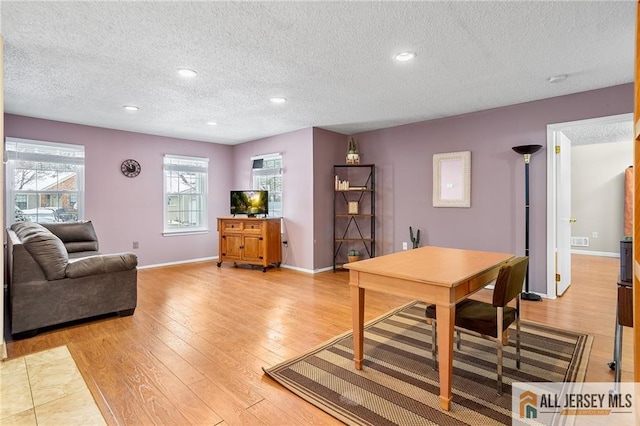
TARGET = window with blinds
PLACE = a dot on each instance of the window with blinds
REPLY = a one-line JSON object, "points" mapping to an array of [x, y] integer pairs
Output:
{"points": [[266, 174], [45, 181], [185, 188]]}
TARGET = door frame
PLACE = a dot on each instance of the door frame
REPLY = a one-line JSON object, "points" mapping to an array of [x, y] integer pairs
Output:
{"points": [[552, 187]]}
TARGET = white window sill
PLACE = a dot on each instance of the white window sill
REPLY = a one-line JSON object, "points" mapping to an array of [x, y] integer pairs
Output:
{"points": [[178, 233]]}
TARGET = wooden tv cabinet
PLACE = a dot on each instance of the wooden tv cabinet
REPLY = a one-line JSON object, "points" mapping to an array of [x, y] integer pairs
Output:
{"points": [[249, 240]]}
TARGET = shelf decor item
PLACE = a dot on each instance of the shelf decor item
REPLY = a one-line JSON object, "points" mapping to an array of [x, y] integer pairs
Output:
{"points": [[353, 157], [353, 207], [414, 240], [353, 256]]}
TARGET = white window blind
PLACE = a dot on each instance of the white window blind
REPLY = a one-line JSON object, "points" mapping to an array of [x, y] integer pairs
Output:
{"points": [[266, 174], [45, 181], [185, 188]]}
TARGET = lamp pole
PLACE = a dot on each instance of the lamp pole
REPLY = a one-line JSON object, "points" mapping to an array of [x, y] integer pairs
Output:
{"points": [[526, 151]]}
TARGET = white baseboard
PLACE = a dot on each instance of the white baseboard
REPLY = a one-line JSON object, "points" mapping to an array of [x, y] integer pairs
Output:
{"points": [[4, 355], [204, 259], [180, 262], [295, 268], [596, 253], [328, 268]]}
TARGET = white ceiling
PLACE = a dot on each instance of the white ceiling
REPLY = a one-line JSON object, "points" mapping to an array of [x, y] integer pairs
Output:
{"points": [[587, 134], [81, 61]]}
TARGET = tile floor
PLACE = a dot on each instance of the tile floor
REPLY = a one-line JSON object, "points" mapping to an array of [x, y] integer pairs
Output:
{"points": [[45, 388]]}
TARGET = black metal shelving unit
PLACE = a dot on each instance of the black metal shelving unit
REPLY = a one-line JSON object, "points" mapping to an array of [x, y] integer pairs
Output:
{"points": [[354, 231]]}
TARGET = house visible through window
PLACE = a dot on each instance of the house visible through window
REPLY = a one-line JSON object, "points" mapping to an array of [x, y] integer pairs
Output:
{"points": [[185, 188], [45, 181], [266, 174]]}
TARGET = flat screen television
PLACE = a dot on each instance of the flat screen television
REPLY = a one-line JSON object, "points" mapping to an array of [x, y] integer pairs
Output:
{"points": [[250, 202]]}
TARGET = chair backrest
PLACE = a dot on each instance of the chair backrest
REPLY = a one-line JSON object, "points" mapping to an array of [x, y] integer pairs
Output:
{"points": [[510, 279]]}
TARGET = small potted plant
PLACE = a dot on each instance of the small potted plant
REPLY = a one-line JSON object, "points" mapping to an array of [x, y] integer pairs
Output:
{"points": [[352, 151], [353, 256]]}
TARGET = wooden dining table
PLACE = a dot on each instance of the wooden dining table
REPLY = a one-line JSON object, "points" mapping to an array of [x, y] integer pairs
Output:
{"points": [[438, 275]]}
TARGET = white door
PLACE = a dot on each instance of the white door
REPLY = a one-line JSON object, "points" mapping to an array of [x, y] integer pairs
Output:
{"points": [[563, 219], [559, 191], [3, 349]]}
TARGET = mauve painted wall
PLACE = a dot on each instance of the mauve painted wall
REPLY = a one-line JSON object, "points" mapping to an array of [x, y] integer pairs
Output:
{"points": [[495, 222], [329, 148], [297, 155], [403, 156], [125, 209]]}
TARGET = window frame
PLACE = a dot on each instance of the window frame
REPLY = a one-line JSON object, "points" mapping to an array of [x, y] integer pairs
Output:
{"points": [[171, 163], [258, 172], [43, 152]]}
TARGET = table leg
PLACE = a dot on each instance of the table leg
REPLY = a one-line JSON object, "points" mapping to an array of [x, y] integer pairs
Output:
{"points": [[357, 310], [445, 327]]}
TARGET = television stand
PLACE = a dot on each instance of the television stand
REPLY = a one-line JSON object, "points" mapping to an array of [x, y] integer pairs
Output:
{"points": [[250, 240]]}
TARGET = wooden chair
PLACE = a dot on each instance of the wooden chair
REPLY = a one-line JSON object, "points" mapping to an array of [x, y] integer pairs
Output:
{"points": [[490, 320]]}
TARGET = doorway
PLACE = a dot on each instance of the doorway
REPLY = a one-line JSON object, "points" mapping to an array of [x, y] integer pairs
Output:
{"points": [[561, 137]]}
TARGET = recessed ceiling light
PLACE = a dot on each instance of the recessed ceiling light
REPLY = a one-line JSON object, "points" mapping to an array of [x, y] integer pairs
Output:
{"points": [[211, 123], [557, 78], [131, 108], [187, 72], [278, 100], [405, 56]]}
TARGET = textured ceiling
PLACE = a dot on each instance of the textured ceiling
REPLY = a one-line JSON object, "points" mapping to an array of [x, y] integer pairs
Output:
{"points": [[587, 134], [81, 62]]}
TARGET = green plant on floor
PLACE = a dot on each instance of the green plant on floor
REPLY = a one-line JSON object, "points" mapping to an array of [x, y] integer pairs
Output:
{"points": [[414, 240]]}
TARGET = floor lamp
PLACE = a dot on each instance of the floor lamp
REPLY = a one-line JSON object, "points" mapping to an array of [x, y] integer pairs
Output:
{"points": [[526, 151]]}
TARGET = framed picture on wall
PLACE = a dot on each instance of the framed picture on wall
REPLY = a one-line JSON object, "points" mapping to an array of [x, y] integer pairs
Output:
{"points": [[452, 179]]}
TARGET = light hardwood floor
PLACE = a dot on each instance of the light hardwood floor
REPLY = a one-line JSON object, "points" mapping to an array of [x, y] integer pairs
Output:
{"points": [[193, 351]]}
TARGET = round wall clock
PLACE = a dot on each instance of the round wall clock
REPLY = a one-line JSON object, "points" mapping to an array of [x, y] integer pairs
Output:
{"points": [[130, 168]]}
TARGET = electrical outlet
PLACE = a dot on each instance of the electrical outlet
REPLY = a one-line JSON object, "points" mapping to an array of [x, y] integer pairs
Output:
{"points": [[136, 244], [594, 234], [405, 245]]}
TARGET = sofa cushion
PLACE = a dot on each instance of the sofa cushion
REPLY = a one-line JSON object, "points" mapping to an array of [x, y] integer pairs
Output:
{"points": [[79, 254], [76, 236], [25, 229], [47, 249], [101, 264]]}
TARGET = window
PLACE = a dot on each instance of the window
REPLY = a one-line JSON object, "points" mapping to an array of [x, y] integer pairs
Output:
{"points": [[185, 188], [266, 174], [45, 181]]}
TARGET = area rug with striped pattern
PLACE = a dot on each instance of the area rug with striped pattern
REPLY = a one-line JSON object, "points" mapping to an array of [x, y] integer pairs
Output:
{"points": [[399, 386]]}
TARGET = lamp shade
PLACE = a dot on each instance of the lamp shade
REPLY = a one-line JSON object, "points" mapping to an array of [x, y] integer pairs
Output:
{"points": [[527, 149]]}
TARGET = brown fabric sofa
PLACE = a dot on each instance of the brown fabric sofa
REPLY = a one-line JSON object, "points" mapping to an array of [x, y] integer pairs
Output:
{"points": [[57, 275]]}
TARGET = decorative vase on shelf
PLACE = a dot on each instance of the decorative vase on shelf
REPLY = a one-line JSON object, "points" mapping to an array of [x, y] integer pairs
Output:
{"points": [[353, 256], [352, 151]]}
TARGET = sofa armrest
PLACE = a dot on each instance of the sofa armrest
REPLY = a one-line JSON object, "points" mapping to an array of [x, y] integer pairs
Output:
{"points": [[22, 267], [102, 264]]}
